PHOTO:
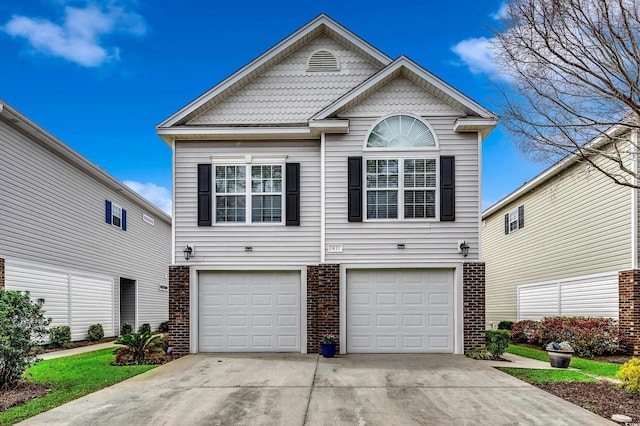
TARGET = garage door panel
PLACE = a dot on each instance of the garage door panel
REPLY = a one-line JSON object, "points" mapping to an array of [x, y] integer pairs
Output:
{"points": [[408, 310], [260, 311]]}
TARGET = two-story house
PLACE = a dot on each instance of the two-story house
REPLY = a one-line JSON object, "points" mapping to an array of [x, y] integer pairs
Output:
{"points": [[327, 188], [71, 234], [566, 243]]}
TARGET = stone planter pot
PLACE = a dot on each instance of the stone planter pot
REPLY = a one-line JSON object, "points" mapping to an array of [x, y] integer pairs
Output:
{"points": [[560, 359]]}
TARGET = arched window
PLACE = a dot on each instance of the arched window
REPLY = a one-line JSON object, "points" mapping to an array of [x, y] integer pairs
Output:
{"points": [[401, 131]]}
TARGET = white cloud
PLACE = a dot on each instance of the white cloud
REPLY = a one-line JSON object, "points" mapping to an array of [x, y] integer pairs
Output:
{"points": [[158, 195], [479, 55], [79, 38], [502, 13]]}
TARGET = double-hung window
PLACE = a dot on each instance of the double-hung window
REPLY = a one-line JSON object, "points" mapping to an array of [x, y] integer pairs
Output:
{"points": [[248, 193], [401, 188]]}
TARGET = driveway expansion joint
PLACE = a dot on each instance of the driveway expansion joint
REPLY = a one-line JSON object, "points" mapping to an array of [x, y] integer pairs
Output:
{"points": [[313, 383]]}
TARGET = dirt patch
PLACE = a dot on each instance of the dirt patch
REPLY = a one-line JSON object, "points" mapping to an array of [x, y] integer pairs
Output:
{"points": [[21, 394], [602, 398]]}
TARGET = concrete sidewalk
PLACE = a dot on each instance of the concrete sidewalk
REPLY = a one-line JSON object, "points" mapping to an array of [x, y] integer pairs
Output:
{"points": [[75, 351], [518, 361], [295, 389]]}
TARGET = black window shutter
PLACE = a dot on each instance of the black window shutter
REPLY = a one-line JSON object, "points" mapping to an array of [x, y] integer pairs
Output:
{"points": [[108, 211], [354, 179], [124, 220], [520, 217], [204, 194], [293, 194], [447, 188], [506, 224]]}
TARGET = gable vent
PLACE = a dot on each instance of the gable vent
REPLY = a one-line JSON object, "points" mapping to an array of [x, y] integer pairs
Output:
{"points": [[323, 60]]}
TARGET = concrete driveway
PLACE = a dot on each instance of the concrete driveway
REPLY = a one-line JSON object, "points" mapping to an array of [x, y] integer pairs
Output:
{"points": [[297, 389]]}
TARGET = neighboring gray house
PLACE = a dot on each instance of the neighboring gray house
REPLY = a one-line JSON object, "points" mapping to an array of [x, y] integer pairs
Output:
{"points": [[71, 234], [327, 188], [566, 243]]}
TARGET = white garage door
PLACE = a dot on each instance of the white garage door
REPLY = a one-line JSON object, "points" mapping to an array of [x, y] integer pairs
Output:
{"points": [[249, 311], [400, 311]]}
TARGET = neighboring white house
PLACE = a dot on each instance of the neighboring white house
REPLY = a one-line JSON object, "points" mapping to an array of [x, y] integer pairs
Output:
{"points": [[327, 188], [557, 244], [71, 234]]}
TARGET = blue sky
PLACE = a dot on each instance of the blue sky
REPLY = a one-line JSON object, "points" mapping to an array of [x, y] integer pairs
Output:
{"points": [[101, 74]]}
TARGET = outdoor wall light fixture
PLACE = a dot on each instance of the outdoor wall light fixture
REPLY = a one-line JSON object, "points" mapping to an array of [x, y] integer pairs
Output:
{"points": [[188, 251], [464, 249]]}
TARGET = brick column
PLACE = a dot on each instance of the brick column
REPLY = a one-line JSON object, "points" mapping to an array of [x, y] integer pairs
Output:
{"points": [[179, 309], [2, 274], [473, 302], [323, 304], [629, 308]]}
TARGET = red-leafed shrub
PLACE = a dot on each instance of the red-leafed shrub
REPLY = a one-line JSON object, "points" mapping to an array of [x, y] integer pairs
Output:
{"points": [[589, 336], [526, 331]]}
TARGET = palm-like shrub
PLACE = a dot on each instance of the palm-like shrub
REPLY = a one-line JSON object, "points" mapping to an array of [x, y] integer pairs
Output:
{"points": [[138, 348]]}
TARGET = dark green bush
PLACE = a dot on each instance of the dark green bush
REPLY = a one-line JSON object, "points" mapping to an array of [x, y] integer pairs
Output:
{"points": [[126, 328], [60, 337], [95, 333], [144, 328], [505, 325], [22, 329], [497, 341], [163, 327]]}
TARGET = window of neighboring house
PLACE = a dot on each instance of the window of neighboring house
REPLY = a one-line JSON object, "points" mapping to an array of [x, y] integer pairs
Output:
{"points": [[514, 220], [248, 193], [116, 215], [401, 188]]}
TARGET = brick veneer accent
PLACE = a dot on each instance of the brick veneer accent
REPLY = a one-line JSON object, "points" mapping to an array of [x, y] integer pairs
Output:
{"points": [[629, 308], [473, 302], [179, 309], [1, 274], [323, 304]]}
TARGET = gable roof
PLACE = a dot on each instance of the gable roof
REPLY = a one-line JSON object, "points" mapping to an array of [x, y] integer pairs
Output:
{"points": [[321, 24], [20, 121], [403, 66]]}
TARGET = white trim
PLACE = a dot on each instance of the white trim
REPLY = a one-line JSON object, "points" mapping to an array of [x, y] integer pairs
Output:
{"points": [[634, 200], [480, 221], [323, 189], [458, 303], [194, 291], [436, 147], [330, 125], [248, 159], [483, 126], [226, 133], [173, 202]]}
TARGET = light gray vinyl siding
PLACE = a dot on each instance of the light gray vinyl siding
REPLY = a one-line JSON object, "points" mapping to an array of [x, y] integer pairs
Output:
{"points": [[52, 213], [223, 244], [578, 223], [425, 240]]}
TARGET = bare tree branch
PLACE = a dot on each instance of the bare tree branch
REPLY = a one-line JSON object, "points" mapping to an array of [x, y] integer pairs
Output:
{"points": [[574, 68]]}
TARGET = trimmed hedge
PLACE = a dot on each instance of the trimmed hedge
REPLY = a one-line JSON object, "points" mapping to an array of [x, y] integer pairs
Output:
{"points": [[497, 341], [588, 336]]}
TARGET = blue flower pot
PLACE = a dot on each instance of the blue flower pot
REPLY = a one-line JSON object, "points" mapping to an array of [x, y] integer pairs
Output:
{"points": [[328, 349]]}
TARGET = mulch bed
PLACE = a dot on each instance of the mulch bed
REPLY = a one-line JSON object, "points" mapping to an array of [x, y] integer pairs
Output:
{"points": [[78, 344], [21, 394], [602, 398]]}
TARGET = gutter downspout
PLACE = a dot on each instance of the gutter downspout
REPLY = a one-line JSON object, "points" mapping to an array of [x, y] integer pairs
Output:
{"points": [[634, 200], [323, 224]]}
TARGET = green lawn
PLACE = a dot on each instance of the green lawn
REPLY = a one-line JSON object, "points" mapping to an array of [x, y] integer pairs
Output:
{"points": [[588, 369], [70, 378]]}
